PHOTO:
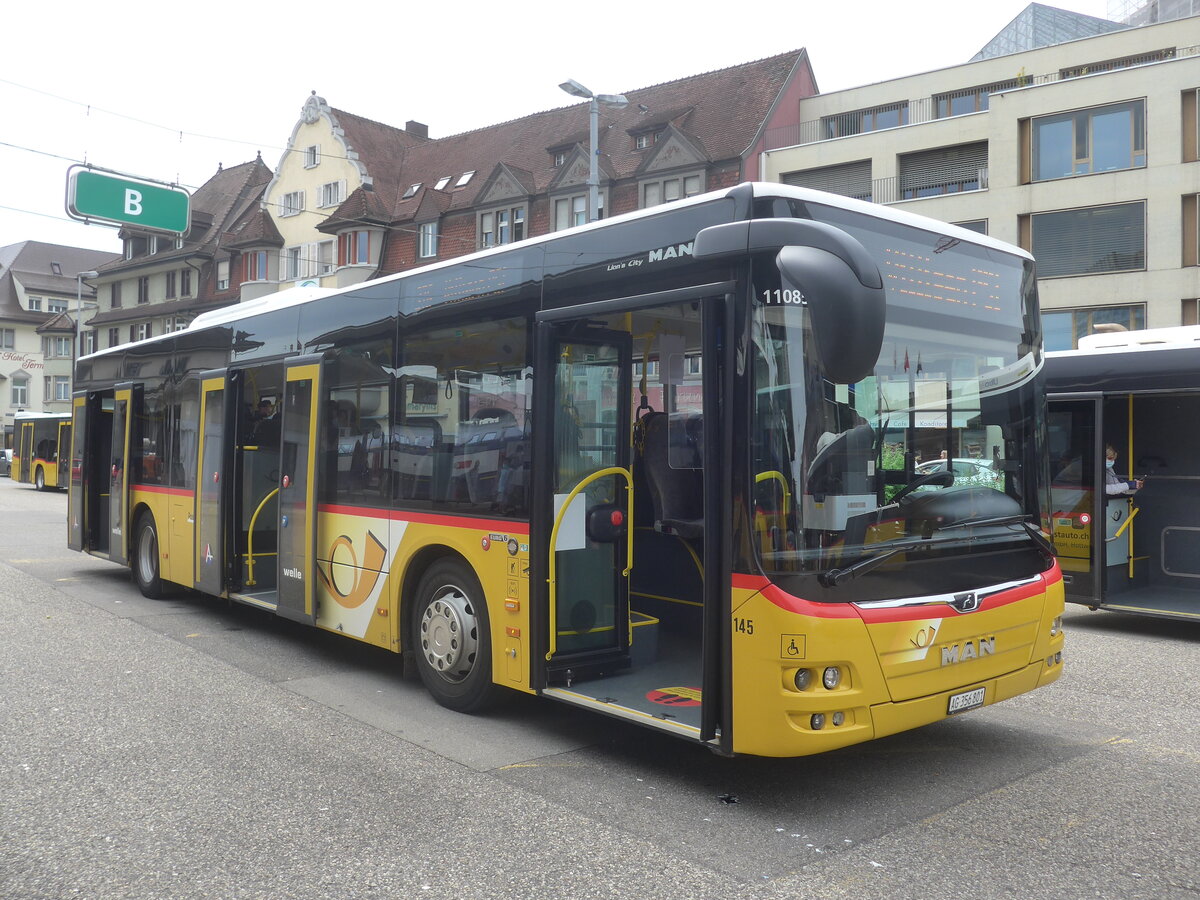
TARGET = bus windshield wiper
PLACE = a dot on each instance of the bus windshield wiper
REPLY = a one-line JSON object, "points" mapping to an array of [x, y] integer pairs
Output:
{"points": [[1023, 520], [867, 562]]}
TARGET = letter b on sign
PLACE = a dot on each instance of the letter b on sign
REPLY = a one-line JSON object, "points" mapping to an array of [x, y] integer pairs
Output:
{"points": [[133, 202]]}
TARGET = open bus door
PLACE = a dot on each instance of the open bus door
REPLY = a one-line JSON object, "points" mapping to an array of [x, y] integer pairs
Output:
{"points": [[296, 560], [125, 398], [630, 597], [76, 503], [23, 458], [1077, 494], [62, 456], [211, 493]]}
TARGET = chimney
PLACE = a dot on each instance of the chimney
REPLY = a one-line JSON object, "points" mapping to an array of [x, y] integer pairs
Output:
{"points": [[416, 129]]}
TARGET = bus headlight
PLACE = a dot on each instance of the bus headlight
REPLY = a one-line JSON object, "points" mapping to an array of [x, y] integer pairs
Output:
{"points": [[831, 678], [803, 679], [817, 721], [838, 718], [1056, 626]]}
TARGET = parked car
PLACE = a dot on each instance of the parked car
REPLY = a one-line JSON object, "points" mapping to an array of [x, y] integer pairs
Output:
{"points": [[6, 462], [966, 471]]}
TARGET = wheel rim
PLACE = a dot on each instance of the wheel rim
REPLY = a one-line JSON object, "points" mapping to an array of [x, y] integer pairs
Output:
{"points": [[147, 554], [450, 634]]}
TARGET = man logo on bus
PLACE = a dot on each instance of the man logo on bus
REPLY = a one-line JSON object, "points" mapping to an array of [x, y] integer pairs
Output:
{"points": [[363, 576]]}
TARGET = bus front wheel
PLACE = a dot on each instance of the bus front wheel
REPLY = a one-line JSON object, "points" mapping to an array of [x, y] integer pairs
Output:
{"points": [[39, 479], [145, 558], [451, 640]]}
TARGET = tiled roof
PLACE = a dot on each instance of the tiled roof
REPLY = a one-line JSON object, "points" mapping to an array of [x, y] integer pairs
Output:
{"points": [[719, 111], [31, 263]]}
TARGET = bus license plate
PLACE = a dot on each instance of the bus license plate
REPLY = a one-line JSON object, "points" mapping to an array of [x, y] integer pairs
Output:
{"points": [[964, 701]]}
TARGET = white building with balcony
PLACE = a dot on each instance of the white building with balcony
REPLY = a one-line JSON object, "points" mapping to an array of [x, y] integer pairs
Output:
{"points": [[1084, 153]]}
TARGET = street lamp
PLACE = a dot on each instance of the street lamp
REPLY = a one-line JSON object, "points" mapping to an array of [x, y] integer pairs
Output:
{"points": [[77, 349], [616, 101]]}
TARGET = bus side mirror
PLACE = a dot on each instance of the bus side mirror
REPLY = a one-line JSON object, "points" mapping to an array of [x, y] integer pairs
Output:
{"points": [[847, 309]]}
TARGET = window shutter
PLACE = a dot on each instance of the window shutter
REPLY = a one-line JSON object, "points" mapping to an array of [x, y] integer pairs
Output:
{"points": [[848, 179], [947, 170], [1089, 241]]}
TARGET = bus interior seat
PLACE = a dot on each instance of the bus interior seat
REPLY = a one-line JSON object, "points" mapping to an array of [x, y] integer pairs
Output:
{"points": [[676, 493]]}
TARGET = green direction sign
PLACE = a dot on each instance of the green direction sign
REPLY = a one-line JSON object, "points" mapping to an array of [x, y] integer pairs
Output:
{"points": [[119, 199]]}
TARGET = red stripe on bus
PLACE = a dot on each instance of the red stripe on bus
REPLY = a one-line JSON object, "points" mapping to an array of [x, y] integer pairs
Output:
{"points": [[398, 515]]}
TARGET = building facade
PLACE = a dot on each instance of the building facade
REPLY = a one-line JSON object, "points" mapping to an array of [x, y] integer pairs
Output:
{"points": [[40, 297], [1083, 153]]}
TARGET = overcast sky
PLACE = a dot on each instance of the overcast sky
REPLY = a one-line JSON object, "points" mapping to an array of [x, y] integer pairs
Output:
{"points": [[169, 92]]}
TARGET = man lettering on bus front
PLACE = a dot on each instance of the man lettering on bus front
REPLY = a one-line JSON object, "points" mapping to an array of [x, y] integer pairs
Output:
{"points": [[1113, 485]]}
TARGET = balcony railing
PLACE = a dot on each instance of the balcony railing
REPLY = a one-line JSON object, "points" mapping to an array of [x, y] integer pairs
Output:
{"points": [[925, 109]]}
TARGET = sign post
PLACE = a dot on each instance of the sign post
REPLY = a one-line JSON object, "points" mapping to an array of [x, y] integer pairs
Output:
{"points": [[95, 194]]}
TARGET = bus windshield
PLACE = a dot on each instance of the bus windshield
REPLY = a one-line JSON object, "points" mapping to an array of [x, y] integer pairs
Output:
{"points": [[933, 458]]}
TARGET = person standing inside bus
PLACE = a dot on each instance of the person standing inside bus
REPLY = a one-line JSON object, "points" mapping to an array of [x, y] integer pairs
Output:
{"points": [[1114, 485]]}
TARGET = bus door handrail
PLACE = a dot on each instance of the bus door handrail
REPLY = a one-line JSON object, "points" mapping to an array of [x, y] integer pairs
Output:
{"points": [[250, 540], [552, 577], [1120, 531]]}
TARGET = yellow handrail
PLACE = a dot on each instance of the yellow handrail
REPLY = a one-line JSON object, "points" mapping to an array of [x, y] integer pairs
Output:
{"points": [[552, 578], [777, 476], [250, 539]]}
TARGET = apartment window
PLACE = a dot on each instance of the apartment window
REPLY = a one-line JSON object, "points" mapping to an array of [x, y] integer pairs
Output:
{"points": [[20, 390], [62, 387], [1089, 241], [501, 226], [35, 304], [179, 242], [948, 170], [254, 265], [56, 347], [223, 275], [571, 211], [1062, 328], [980, 226], [333, 193], [429, 240], [324, 257], [354, 248], [55, 306], [114, 295], [170, 292], [1190, 120], [143, 288], [1084, 142], [312, 156], [290, 264], [87, 343], [152, 245], [851, 179], [291, 204], [114, 337], [139, 332], [185, 282], [8, 337], [656, 192], [863, 120], [968, 100]]}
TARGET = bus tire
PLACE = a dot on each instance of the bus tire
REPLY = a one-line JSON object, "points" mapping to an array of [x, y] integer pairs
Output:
{"points": [[145, 560], [451, 639], [39, 479]]}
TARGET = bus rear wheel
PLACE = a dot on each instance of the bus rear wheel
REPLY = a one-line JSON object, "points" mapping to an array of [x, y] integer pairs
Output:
{"points": [[145, 558], [39, 479], [451, 640]]}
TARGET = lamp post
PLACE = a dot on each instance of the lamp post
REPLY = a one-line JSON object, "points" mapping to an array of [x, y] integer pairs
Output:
{"points": [[616, 101], [77, 343]]}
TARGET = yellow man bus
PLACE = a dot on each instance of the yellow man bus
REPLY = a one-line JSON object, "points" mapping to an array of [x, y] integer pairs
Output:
{"points": [[39, 438], [662, 466]]}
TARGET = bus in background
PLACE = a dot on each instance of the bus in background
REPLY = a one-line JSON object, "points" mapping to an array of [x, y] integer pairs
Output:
{"points": [[1138, 391], [662, 466], [38, 440]]}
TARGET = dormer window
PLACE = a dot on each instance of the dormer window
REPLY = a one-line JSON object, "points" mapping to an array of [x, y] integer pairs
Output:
{"points": [[644, 141], [560, 159]]}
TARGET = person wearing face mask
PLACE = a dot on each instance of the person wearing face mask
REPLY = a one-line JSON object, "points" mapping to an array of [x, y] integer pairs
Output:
{"points": [[1113, 485]]}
